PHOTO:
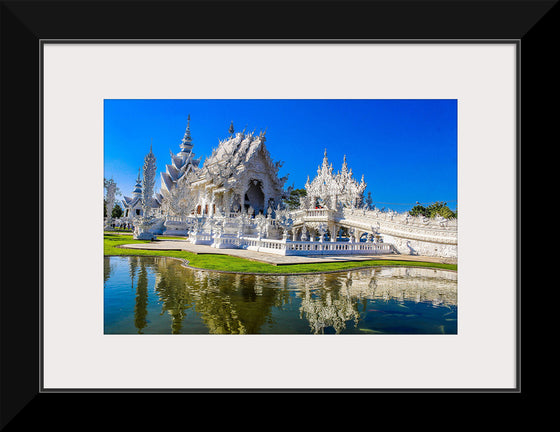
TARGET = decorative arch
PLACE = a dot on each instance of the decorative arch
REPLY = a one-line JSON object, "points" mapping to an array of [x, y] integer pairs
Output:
{"points": [[254, 196]]}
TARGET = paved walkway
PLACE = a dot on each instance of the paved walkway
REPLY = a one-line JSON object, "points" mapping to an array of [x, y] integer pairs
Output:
{"points": [[183, 245]]}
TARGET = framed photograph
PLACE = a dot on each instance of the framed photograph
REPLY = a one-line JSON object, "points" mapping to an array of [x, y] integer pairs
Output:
{"points": [[380, 111], [235, 195]]}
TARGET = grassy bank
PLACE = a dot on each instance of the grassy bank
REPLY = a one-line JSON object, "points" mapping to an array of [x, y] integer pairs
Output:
{"points": [[235, 264]]}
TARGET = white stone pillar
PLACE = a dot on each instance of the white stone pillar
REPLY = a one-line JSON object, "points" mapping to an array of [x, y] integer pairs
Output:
{"points": [[212, 204]]}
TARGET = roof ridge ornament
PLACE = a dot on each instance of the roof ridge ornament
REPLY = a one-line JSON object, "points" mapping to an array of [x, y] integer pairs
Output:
{"points": [[262, 135]]}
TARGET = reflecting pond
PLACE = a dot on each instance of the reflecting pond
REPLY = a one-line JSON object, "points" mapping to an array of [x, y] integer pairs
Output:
{"points": [[152, 295]]}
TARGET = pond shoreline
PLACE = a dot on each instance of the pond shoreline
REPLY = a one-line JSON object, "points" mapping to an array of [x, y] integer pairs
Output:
{"points": [[186, 264]]}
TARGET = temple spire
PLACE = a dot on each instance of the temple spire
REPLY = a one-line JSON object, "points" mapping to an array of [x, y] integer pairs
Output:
{"points": [[138, 186], [325, 165], [231, 129], [344, 165], [186, 143]]}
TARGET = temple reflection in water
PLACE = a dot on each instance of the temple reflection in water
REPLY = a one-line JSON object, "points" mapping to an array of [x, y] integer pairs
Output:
{"points": [[159, 296]]}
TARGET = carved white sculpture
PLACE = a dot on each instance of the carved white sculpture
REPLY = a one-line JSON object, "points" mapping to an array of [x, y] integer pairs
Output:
{"points": [[181, 200], [148, 182], [284, 220], [111, 188], [144, 224]]}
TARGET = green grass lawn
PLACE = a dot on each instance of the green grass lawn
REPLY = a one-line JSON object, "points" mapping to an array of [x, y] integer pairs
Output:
{"points": [[235, 264]]}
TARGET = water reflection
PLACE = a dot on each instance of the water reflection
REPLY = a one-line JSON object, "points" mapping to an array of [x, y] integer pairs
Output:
{"points": [[158, 295], [140, 307]]}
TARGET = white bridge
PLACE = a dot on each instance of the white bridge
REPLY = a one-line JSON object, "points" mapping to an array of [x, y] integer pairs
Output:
{"points": [[408, 234]]}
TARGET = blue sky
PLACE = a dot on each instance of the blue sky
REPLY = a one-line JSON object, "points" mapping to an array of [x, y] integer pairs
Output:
{"points": [[406, 149]]}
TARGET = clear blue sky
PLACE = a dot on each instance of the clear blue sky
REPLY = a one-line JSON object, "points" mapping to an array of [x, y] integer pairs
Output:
{"points": [[406, 149]]}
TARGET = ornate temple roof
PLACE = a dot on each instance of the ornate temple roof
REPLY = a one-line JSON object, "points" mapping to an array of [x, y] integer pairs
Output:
{"points": [[131, 203], [136, 201], [181, 163], [240, 160], [233, 156], [341, 185]]}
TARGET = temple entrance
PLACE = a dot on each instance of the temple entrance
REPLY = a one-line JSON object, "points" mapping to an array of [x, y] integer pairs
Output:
{"points": [[254, 197]]}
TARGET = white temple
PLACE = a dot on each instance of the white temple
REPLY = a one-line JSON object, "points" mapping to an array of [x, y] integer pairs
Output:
{"points": [[132, 206], [235, 200]]}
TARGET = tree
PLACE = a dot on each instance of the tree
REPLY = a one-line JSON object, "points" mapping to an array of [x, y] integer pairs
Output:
{"points": [[292, 202], [439, 208], [418, 210], [117, 211]]}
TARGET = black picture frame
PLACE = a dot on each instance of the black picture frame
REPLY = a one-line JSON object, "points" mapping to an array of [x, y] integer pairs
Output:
{"points": [[27, 25]]}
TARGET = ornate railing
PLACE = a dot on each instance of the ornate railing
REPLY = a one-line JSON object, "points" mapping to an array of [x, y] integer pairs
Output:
{"points": [[334, 248], [288, 247], [175, 220], [401, 219]]}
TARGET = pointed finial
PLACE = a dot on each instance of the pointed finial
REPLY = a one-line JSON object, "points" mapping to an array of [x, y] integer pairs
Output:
{"points": [[325, 159], [344, 165], [262, 135], [231, 129], [187, 137]]}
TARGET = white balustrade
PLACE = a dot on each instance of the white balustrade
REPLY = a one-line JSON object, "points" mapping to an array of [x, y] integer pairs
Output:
{"points": [[337, 248], [288, 247], [201, 238]]}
